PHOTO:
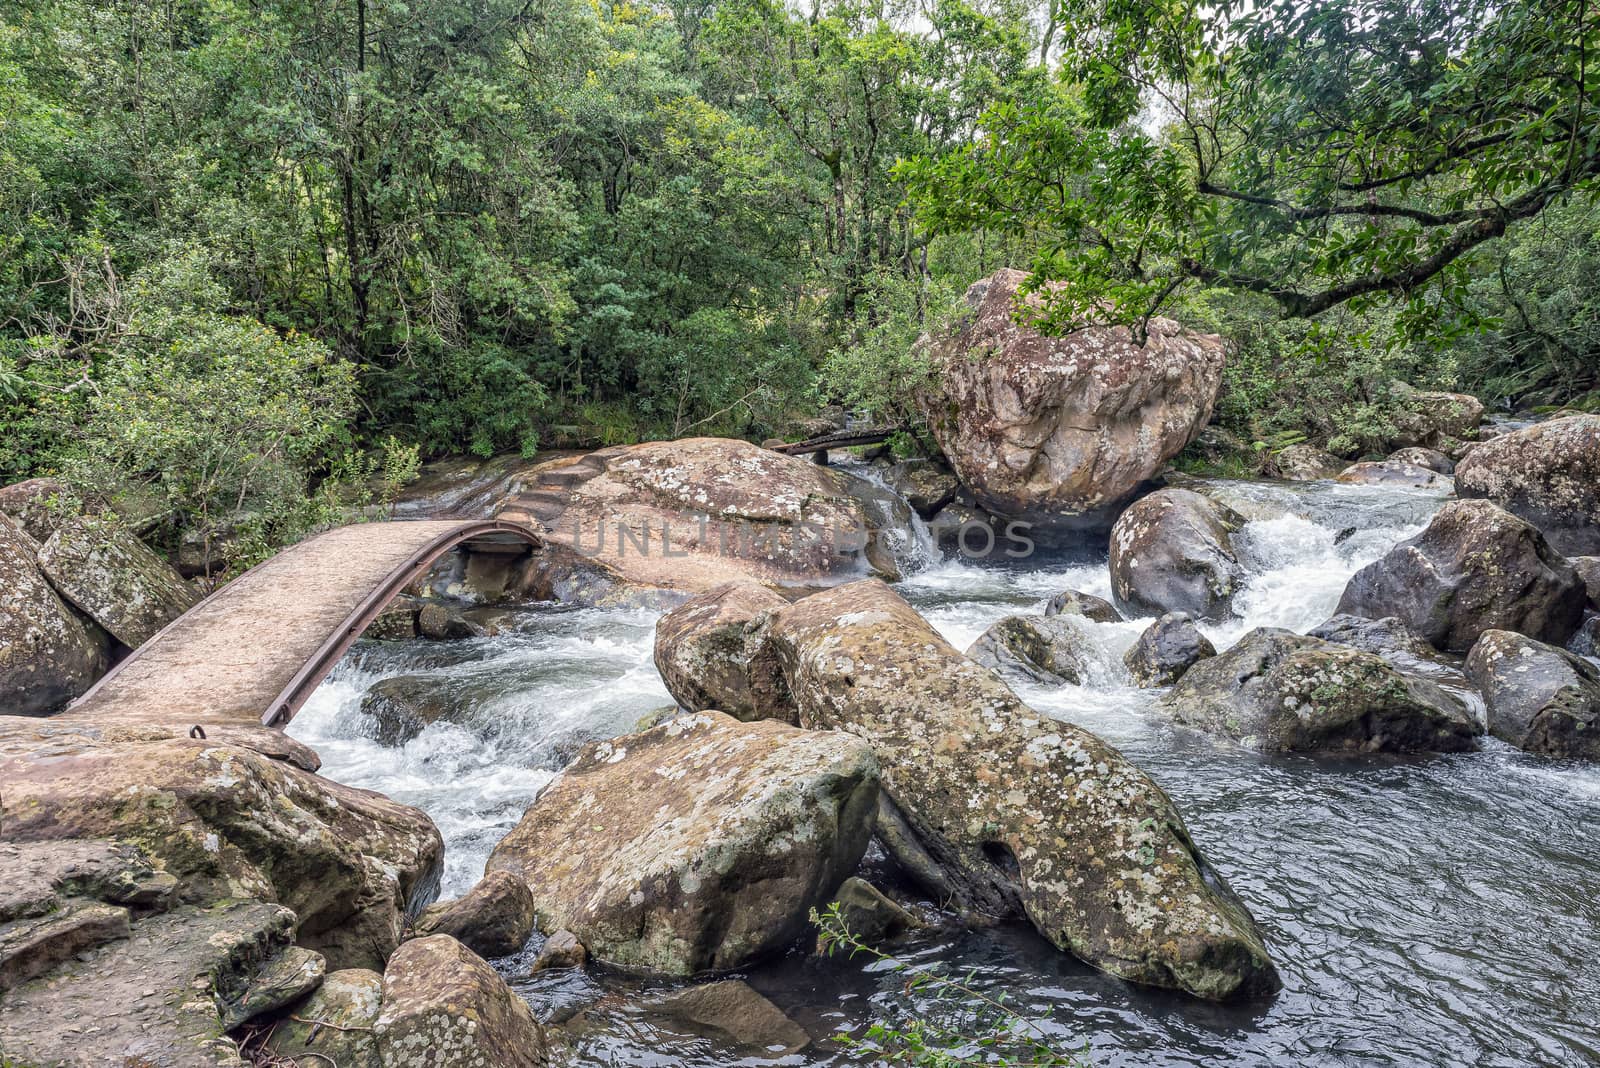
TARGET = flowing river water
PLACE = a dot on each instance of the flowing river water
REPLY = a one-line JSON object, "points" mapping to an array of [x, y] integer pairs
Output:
{"points": [[1430, 911]]}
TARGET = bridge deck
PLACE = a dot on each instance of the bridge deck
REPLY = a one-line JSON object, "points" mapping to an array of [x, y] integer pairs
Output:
{"points": [[254, 650]]}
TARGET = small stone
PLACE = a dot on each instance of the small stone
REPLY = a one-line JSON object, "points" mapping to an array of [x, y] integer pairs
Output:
{"points": [[493, 919], [284, 979], [1167, 648], [1073, 603], [561, 950], [869, 915]]}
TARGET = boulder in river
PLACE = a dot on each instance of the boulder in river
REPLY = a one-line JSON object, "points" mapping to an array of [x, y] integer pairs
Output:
{"points": [[1393, 473], [698, 845], [445, 1007], [493, 919], [1167, 648], [334, 1025], [114, 579], [1073, 603], [228, 822], [869, 915], [1306, 463], [1003, 811], [692, 514], [1588, 569], [1173, 552], [1048, 649], [708, 652], [1278, 691], [48, 656], [1062, 431], [1418, 456], [1540, 698], [1475, 568], [732, 1012], [401, 707], [1549, 474], [1434, 418]]}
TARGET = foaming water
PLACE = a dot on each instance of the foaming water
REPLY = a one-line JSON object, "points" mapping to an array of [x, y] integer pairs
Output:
{"points": [[1438, 911]]}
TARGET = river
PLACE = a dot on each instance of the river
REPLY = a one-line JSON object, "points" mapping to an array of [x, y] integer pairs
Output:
{"points": [[1433, 911]]}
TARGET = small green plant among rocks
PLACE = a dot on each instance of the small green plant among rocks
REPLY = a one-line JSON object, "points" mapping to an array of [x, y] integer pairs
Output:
{"points": [[968, 1026]]}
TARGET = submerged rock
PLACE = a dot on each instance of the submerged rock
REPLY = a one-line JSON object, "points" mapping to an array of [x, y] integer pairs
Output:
{"points": [[48, 656], [445, 1007], [1167, 648], [1278, 691], [151, 998], [228, 822], [493, 919], [1049, 649], [869, 915], [731, 1012], [1475, 568], [335, 1024], [561, 950], [1073, 603], [1549, 474], [695, 846], [1062, 431], [708, 652], [1173, 552], [114, 579], [1000, 810], [401, 707], [1541, 699]]}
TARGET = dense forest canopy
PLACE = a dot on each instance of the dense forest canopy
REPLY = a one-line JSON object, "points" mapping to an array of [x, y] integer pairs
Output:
{"points": [[250, 249]]}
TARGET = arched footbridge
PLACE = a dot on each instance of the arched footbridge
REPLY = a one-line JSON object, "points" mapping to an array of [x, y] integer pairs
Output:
{"points": [[257, 648]]}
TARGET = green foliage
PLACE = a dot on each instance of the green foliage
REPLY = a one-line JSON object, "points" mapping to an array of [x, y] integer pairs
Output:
{"points": [[881, 368], [961, 1025]]}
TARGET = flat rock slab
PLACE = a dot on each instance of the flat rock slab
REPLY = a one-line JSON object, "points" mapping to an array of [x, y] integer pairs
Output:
{"points": [[39, 875], [150, 999]]}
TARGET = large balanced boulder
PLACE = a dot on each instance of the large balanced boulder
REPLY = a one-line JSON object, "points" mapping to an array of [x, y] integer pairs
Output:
{"points": [[1003, 811], [445, 1007], [1475, 568], [1049, 649], [1540, 698], [229, 822], [154, 997], [697, 845], [1173, 552], [1062, 431], [1549, 474], [1433, 418], [48, 655], [1278, 691], [493, 919], [707, 650], [114, 579], [692, 514]]}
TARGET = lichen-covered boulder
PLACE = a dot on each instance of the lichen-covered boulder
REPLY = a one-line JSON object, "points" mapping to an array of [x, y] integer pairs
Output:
{"points": [[1167, 648], [692, 514], [445, 1007], [1073, 603], [708, 652], [1549, 474], [48, 655], [1277, 691], [1003, 811], [1434, 418], [229, 822], [1475, 568], [1393, 473], [493, 919], [695, 846], [41, 875], [1588, 569], [335, 1024], [1062, 431], [926, 486], [1541, 699], [1306, 463], [1417, 456], [151, 998], [1049, 649], [114, 579], [39, 506], [1173, 552]]}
